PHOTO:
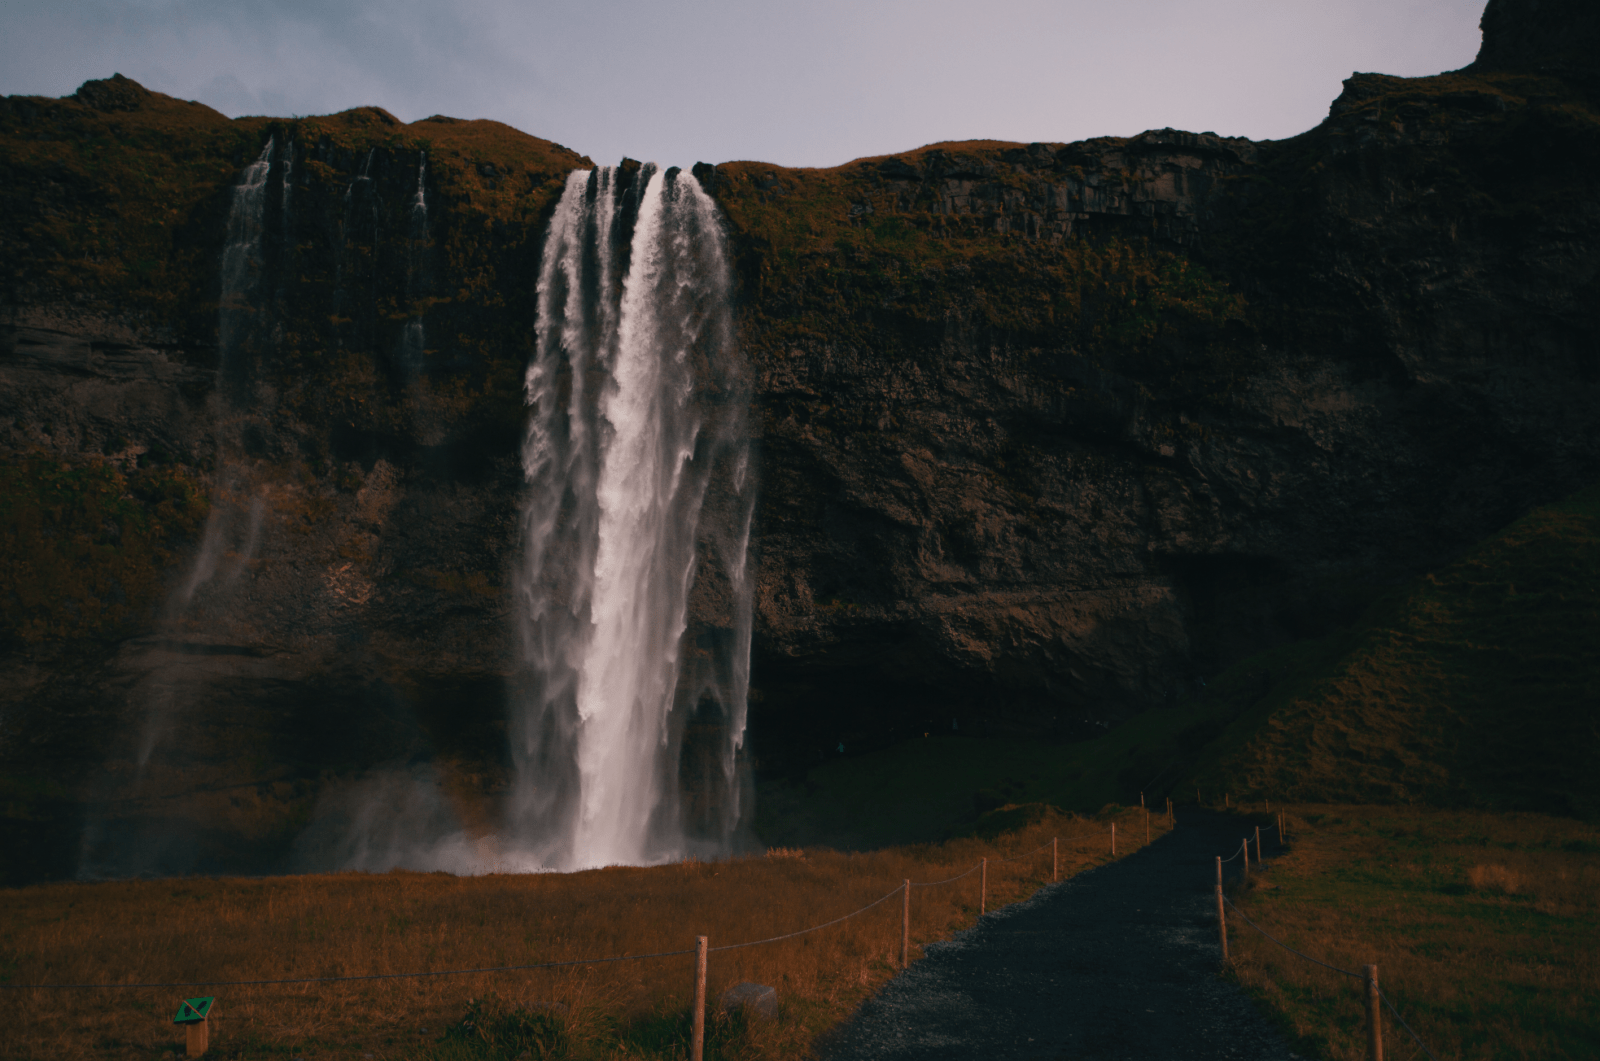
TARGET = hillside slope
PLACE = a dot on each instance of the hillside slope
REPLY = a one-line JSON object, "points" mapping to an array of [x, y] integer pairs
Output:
{"points": [[1479, 684]]}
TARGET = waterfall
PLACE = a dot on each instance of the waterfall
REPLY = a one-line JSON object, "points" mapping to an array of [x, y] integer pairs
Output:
{"points": [[635, 400], [288, 186], [171, 693], [241, 262], [413, 338], [632, 593], [238, 323]]}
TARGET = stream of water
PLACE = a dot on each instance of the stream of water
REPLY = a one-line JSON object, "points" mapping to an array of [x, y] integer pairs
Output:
{"points": [[631, 594], [629, 426]]}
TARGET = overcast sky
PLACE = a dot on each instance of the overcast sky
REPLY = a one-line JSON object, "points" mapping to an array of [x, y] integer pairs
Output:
{"points": [[803, 82]]}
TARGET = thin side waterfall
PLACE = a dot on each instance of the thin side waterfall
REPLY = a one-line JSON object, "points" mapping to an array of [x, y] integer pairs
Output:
{"points": [[414, 338], [168, 693], [635, 403], [242, 260], [238, 321], [288, 186]]}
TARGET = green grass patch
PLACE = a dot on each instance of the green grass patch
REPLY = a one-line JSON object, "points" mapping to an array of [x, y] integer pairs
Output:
{"points": [[1482, 927], [1475, 685], [84, 545]]}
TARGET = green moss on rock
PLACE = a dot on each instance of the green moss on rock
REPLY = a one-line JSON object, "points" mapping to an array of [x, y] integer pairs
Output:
{"points": [[83, 546]]}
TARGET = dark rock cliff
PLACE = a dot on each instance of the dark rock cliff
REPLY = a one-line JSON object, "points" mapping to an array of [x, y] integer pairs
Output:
{"points": [[1051, 519], [1048, 433]]}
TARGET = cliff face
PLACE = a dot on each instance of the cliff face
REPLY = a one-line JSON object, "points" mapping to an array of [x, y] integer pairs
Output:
{"points": [[1047, 483], [1047, 433], [231, 580]]}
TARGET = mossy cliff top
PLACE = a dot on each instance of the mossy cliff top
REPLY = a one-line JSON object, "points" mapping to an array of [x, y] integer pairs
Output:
{"points": [[118, 192], [1475, 146]]}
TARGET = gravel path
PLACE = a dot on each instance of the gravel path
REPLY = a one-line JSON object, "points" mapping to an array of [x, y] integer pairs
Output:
{"points": [[1119, 962]]}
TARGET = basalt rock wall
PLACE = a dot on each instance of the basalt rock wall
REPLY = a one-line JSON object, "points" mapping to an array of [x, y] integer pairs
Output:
{"points": [[1285, 375]]}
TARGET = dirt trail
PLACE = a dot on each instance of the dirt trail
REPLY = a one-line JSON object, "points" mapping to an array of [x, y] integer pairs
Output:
{"points": [[1119, 962]]}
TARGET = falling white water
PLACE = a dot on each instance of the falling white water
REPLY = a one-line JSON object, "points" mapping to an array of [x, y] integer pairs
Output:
{"points": [[241, 257], [288, 186], [635, 411], [626, 734], [419, 204], [231, 531], [172, 687], [413, 338]]}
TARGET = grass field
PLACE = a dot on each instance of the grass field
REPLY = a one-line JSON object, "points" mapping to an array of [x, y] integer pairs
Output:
{"points": [[181, 930], [1485, 929], [1474, 685]]}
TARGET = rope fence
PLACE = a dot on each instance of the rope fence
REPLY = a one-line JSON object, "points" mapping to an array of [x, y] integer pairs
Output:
{"points": [[1375, 996], [947, 880], [813, 928], [1369, 975]]}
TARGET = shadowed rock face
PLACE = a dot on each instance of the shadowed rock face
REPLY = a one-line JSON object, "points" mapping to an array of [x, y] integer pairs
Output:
{"points": [[997, 521], [1046, 433], [1560, 37]]}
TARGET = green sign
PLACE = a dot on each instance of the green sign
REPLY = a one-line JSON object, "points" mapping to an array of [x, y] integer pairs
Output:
{"points": [[193, 1010]]}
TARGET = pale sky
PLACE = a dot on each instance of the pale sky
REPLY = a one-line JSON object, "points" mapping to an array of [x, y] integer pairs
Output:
{"points": [[800, 83]]}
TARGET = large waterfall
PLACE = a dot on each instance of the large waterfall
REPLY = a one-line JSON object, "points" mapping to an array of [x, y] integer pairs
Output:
{"points": [[635, 399], [632, 596]]}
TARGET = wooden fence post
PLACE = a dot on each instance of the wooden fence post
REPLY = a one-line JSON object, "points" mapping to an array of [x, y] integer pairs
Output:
{"points": [[697, 1036], [905, 925], [983, 888], [1113, 839], [1222, 917], [1055, 864], [1245, 845], [1258, 845], [1374, 1016], [1226, 804], [1280, 828], [1147, 825]]}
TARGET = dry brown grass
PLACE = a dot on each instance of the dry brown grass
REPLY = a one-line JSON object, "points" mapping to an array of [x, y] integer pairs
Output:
{"points": [[182, 930], [1485, 930]]}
